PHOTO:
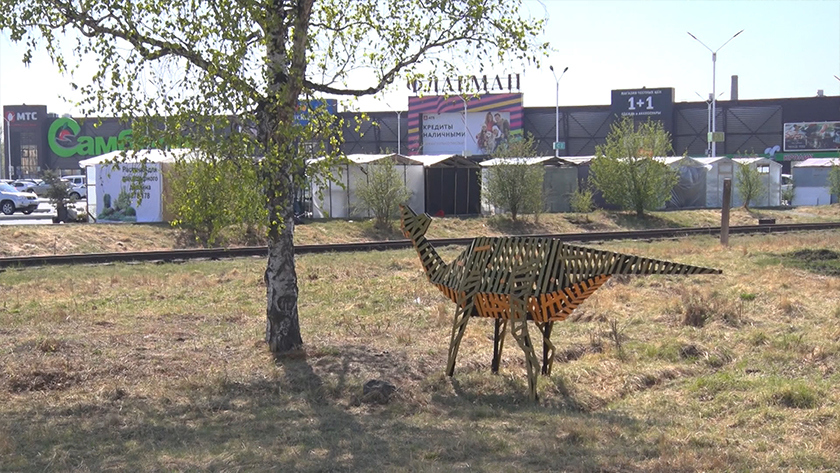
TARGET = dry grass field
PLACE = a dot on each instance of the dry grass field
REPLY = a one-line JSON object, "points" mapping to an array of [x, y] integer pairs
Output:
{"points": [[146, 367], [74, 238]]}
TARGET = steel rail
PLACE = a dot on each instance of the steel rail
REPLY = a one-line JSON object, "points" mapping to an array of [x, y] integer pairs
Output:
{"points": [[251, 251]]}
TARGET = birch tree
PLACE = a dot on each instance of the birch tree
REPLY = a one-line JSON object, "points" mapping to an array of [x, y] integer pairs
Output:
{"points": [[229, 74]]}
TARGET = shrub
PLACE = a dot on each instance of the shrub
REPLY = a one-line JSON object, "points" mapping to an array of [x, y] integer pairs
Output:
{"points": [[582, 201], [751, 186], [211, 196], [625, 170], [516, 186], [383, 192]]}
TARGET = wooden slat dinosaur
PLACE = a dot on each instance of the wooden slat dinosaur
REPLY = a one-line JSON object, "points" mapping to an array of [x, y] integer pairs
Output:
{"points": [[516, 279]]}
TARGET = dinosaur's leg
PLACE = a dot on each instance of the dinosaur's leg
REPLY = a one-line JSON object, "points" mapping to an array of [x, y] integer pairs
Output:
{"points": [[459, 326], [548, 347], [465, 302], [499, 333], [519, 330]]}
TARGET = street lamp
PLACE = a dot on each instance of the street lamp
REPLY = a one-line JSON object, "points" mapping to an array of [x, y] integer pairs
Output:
{"points": [[557, 109], [714, 95], [7, 146], [399, 132], [465, 124], [709, 119]]}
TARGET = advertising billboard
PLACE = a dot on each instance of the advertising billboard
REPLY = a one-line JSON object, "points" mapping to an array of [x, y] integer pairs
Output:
{"points": [[657, 104], [117, 189], [439, 125], [812, 136]]}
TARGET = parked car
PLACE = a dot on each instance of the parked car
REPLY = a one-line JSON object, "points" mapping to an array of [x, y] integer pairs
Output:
{"points": [[37, 186], [12, 200], [22, 184], [78, 185]]}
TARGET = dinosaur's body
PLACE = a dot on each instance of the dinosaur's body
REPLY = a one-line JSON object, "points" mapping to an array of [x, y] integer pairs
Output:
{"points": [[523, 278]]}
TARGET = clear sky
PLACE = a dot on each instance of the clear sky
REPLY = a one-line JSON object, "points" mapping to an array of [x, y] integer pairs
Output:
{"points": [[787, 49]]}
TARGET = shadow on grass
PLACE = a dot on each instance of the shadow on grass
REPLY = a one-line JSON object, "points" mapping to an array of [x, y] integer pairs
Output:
{"points": [[372, 232], [631, 221], [523, 225], [305, 419]]}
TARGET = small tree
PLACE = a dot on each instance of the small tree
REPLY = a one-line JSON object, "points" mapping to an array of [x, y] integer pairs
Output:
{"points": [[383, 192], [209, 197], [834, 181], [515, 185], [751, 185], [58, 194], [582, 200], [625, 170]]}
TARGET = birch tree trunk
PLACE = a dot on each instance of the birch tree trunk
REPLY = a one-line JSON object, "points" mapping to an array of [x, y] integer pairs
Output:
{"points": [[282, 331]]}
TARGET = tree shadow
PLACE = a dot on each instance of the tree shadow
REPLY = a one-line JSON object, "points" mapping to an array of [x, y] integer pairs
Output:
{"points": [[373, 232], [632, 221], [523, 225], [306, 418]]}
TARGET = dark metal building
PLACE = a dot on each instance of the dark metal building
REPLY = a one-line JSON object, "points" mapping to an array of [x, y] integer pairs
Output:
{"points": [[750, 127], [36, 140]]}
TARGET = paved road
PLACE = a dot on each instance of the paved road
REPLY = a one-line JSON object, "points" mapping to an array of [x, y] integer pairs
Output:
{"points": [[43, 215]]}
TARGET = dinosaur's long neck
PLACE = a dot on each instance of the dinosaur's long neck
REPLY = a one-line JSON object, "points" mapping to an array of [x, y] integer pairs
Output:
{"points": [[414, 227], [433, 264]]}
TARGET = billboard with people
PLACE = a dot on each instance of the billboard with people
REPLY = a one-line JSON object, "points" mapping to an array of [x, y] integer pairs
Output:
{"points": [[812, 136], [472, 125]]}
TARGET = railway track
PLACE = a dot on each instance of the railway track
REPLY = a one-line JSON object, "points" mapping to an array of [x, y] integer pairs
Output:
{"points": [[248, 251]]}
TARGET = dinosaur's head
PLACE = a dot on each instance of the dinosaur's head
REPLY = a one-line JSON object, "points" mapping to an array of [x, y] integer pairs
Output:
{"points": [[413, 225]]}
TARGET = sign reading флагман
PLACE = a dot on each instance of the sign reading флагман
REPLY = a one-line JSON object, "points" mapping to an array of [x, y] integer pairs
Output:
{"points": [[466, 84]]}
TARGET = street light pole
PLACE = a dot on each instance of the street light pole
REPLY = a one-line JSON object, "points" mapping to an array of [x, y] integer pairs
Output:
{"points": [[7, 147], [399, 133], [465, 124], [714, 91], [708, 122], [557, 109]]}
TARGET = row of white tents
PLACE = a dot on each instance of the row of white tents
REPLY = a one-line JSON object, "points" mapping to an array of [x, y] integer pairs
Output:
{"points": [[451, 184], [700, 184]]}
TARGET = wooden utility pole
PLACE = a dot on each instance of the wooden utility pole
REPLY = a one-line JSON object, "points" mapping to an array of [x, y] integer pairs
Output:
{"points": [[724, 214]]}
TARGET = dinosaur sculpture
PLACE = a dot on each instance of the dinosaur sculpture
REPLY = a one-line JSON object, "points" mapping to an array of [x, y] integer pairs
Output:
{"points": [[516, 279]]}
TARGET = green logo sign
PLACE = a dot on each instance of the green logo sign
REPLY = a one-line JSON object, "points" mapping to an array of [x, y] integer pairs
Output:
{"points": [[64, 140]]}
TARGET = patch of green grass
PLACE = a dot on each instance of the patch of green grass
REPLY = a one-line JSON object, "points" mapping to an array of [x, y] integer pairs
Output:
{"points": [[820, 261], [795, 394]]}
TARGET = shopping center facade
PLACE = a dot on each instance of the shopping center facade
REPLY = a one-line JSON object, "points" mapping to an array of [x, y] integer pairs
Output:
{"points": [[785, 129]]}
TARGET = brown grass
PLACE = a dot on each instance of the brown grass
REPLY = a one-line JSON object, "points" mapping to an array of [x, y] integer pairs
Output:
{"points": [[65, 239], [163, 368]]}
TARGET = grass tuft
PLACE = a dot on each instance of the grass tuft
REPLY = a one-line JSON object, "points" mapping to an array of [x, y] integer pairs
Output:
{"points": [[796, 395]]}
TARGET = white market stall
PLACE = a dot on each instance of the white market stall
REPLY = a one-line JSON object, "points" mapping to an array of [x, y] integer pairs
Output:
{"points": [[810, 180], [334, 200], [113, 178], [771, 176], [717, 170], [690, 190]]}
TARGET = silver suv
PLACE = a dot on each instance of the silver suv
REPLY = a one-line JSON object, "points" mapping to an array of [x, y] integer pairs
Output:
{"points": [[78, 186], [12, 200]]}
